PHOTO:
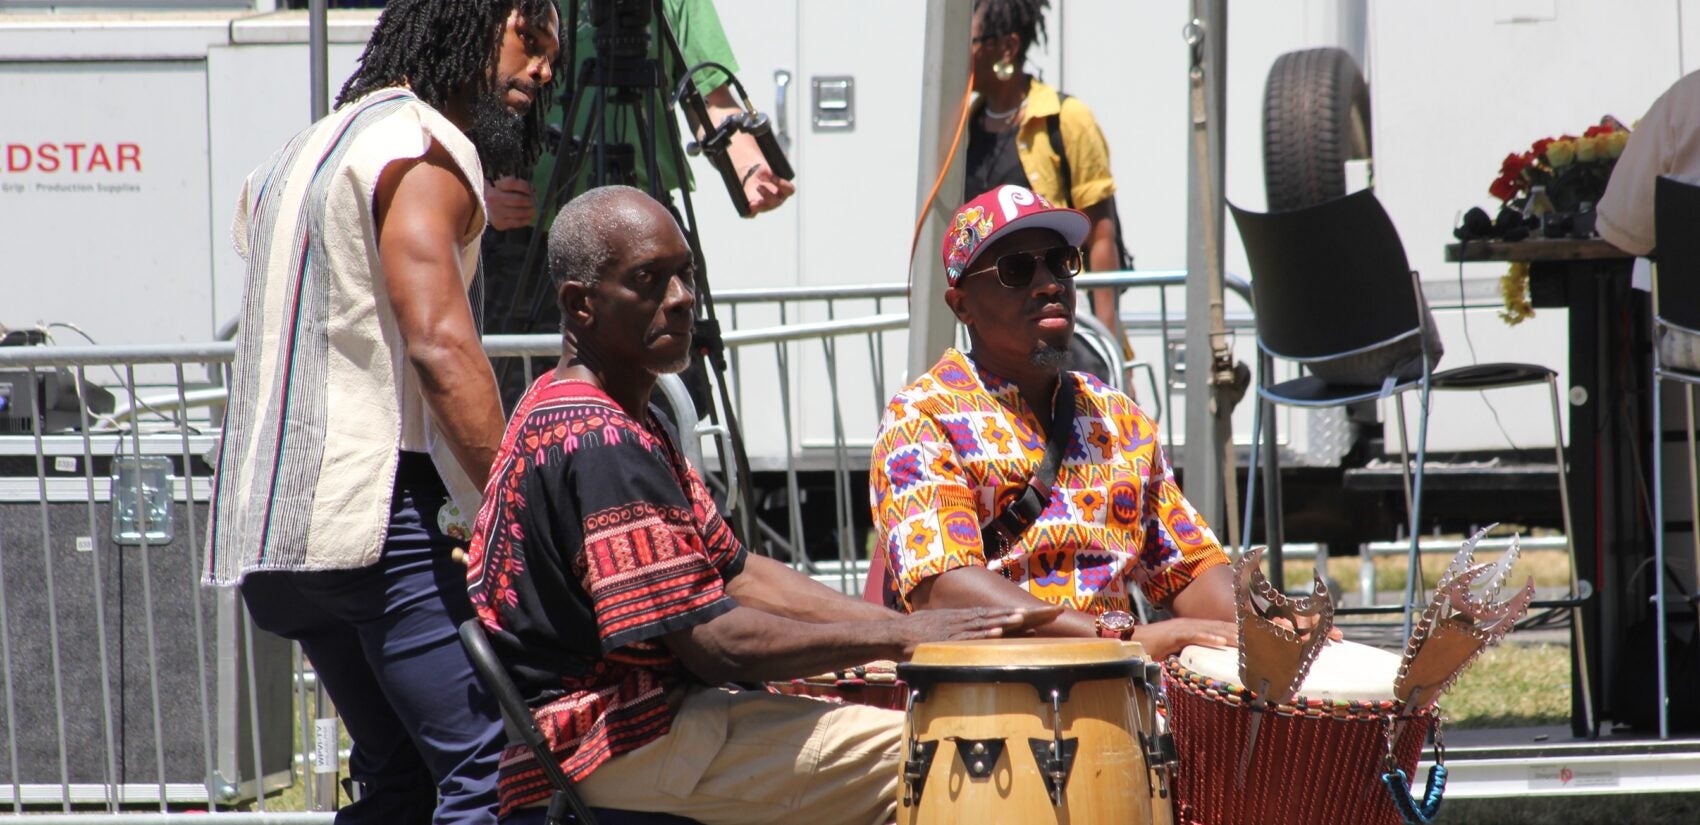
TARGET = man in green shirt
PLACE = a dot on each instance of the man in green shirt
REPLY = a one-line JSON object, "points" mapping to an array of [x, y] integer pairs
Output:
{"points": [[512, 202]]}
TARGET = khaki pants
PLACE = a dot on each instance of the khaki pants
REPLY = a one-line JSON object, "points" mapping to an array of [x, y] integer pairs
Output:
{"points": [[754, 757]]}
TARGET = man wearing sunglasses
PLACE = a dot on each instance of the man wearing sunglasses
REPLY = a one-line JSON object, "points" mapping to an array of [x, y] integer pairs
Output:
{"points": [[964, 441]]}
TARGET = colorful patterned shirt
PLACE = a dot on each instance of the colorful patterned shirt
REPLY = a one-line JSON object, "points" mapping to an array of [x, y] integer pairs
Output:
{"points": [[596, 538], [959, 443]]}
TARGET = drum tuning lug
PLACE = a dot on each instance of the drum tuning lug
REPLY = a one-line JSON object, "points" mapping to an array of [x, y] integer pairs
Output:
{"points": [[915, 768], [980, 756], [1055, 763]]}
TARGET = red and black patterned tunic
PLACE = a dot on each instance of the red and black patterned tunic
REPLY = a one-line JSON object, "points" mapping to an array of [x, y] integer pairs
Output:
{"points": [[596, 538]]}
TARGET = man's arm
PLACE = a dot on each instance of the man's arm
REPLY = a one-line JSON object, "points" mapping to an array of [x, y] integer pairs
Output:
{"points": [[748, 644], [511, 203], [774, 588], [1210, 596], [968, 586], [424, 208], [762, 188]]}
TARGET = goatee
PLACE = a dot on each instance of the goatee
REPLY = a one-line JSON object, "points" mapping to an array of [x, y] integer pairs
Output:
{"points": [[1049, 357]]}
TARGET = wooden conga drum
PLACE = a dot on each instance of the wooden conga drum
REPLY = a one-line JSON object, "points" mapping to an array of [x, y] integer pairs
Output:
{"points": [[1318, 759], [1025, 730]]}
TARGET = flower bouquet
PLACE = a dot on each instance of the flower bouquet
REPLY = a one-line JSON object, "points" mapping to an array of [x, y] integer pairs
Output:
{"points": [[1552, 189], [1570, 171]]}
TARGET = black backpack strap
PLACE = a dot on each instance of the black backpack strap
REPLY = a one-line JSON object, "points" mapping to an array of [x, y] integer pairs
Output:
{"points": [[1053, 128], [1005, 530]]}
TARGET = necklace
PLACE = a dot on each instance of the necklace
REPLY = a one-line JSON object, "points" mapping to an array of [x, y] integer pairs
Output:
{"points": [[1007, 113]]}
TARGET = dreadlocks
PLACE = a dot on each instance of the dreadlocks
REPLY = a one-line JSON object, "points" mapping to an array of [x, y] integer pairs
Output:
{"points": [[443, 48], [1021, 17]]}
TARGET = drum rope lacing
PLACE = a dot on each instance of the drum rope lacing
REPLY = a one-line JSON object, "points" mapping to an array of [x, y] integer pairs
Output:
{"points": [[1390, 714]]}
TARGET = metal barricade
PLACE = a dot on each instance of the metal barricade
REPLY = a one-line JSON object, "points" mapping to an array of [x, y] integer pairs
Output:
{"points": [[126, 682]]}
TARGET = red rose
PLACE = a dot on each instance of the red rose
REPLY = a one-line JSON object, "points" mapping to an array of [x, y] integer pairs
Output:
{"points": [[1512, 165], [1598, 130], [1503, 189], [1540, 147]]}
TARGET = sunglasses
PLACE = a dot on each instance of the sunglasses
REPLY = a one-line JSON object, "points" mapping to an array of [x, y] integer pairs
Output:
{"points": [[1016, 270]]}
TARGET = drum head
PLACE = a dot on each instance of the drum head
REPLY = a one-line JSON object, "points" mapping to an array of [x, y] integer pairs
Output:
{"points": [[1027, 652], [1344, 671]]}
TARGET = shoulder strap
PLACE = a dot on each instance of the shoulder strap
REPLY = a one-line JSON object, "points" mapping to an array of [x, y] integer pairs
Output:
{"points": [[1053, 128], [1006, 529]]}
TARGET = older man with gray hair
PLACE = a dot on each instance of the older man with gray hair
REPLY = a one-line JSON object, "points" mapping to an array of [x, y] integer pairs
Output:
{"points": [[617, 597]]}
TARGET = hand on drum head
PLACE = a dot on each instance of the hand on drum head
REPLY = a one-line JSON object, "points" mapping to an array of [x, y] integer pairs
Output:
{"points": [[1334, 634], [1162, 639], [972, 623]]}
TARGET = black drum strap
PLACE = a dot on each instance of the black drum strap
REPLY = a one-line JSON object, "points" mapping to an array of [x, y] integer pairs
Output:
{"points": [[1005, 530]]}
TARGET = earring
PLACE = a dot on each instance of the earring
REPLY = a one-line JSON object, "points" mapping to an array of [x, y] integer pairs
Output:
{"points": [[1003, 69]]}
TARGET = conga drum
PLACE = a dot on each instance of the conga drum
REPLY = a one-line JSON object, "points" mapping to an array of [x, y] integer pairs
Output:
{"points": [[874, 684], [1025, 730], [1318, 759]]}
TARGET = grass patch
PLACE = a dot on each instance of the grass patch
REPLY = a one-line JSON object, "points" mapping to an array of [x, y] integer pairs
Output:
{"points": [[1551, 568], [1512, 686]]}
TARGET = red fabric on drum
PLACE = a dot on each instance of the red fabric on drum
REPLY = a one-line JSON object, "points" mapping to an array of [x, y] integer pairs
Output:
{"points": [[1316, 763]]}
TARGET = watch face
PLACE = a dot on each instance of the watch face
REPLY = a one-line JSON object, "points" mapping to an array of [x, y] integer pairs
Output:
{"points": [[1118, 621]]}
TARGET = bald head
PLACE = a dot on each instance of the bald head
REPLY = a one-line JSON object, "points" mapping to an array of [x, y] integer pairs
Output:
{"points": [[582, 240]]}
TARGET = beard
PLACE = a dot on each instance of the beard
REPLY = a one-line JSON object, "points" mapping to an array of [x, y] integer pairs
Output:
{"points": [[1049, 357], [672, 367], [499, 134]]}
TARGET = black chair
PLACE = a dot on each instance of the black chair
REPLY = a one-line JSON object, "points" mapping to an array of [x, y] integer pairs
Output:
{"points": [[564, 804], [1676, 320], [1334, 292]]}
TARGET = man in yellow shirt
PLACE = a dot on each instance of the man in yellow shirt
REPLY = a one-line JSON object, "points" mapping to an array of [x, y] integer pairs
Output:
{"points": [[1024, 133], [969, 437]]}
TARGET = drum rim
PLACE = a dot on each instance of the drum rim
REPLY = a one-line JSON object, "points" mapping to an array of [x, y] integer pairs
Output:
{"points": [[1043, 678], [1229, 693]]}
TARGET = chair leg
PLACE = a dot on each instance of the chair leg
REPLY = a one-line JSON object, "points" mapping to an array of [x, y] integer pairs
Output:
{"points": [[1404, 453], [1580, 659], [1413, 565], [1251, 471], [1693, 492], [1274, 528], [1659, 549]]}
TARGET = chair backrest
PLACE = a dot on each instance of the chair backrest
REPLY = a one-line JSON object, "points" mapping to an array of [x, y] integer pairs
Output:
{"points": [[1328, 279], [1676, 222]]}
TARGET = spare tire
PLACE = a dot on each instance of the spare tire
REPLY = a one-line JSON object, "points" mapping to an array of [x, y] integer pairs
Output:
{"points": [[1315, 118]]}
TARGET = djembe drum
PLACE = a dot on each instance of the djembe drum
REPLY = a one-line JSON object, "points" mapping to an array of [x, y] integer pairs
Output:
{"points": [[1025, 730], [1317, 759]]}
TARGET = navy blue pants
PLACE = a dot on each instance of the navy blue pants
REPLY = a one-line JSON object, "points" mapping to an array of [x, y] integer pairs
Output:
{"points": [[384, 642]]}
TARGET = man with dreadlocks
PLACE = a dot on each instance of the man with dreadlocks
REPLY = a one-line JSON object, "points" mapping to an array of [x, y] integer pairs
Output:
{"points": [[1024, 133], [363, 416]]}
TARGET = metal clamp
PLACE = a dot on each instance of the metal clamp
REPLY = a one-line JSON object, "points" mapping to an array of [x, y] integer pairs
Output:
{"points": [[1055, 756], [920, 756]]}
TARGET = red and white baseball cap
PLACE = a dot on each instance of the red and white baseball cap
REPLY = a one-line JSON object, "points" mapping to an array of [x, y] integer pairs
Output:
{"points": [[999, 212]]}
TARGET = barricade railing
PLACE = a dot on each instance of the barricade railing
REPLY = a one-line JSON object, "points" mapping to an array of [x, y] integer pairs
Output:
{"points": [[127, 683]]}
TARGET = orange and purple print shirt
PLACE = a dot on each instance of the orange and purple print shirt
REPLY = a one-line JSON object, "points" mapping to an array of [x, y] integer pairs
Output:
{"points": [[959, 443]]}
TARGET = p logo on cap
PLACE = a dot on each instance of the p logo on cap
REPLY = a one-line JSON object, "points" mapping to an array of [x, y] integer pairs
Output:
{"points": [[998, 212]]}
